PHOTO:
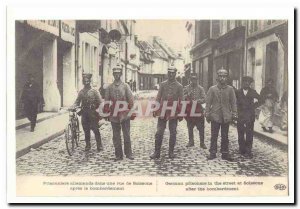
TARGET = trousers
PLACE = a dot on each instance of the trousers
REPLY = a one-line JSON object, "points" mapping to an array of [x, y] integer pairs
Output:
{"points": [[215, 128], [89, 122], [199, 123], [245, 146], [116, 127], [161, 126], [31, 110]]}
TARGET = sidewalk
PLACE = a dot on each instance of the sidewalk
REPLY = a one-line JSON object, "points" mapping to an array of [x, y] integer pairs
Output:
{"points": [[50, 126], [40, 117], [277, 136]]}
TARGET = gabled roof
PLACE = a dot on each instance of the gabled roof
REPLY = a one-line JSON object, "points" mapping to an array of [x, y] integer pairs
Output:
{"points": [[146, 51], [165, 47]]}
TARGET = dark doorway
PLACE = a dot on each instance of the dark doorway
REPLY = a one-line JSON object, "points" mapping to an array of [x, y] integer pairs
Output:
{"points": [[271, 68]]}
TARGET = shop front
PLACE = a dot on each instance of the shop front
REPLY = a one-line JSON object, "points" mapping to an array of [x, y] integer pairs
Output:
{"points": [[229, 54], [203, 62], [36, 54]]}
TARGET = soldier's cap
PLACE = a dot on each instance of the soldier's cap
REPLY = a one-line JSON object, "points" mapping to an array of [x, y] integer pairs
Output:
{"points": [[172, 69], [87, 75], [222, 71], [193, 75], [247, 78], [117, 69]]}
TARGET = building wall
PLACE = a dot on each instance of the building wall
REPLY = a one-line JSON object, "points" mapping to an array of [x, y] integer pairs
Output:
{"points": [[88, 58], [260, 63], [179, 65]]}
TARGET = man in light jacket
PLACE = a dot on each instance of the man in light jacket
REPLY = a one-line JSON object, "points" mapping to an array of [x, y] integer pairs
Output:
{"points": [[221, 109]]}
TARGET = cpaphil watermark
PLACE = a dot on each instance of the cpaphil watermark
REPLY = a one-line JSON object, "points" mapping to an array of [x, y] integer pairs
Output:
{"points": [[150, 108]]}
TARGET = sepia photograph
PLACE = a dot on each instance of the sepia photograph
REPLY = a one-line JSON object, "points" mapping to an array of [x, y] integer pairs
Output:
{"points": [[151, 107]]}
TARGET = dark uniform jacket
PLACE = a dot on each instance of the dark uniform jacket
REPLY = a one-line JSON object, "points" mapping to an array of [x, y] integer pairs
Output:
{"points": [[119, 92], [194, 94], [169, 92], [246, 105], [89, 99]]}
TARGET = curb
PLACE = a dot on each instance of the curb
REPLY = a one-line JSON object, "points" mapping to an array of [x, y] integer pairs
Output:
{"points": [[39, 143], [270, 139], [267, 138], [39, 120]]}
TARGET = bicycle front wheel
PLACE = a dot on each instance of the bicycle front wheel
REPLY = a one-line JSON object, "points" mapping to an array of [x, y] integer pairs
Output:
{"points": [[70, 142]]}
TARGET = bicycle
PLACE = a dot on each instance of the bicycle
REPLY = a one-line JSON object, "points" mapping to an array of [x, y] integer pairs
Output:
{"points": [[72, 131]]}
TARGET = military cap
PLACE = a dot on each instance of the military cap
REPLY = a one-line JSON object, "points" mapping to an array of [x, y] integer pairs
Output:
{"points": [[172, 69], [222, 71], [87, 75], [193, 75], [247, 78], [117, 69]]}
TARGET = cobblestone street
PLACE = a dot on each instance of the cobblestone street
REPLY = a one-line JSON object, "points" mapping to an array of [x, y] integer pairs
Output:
{"points": [[52, 158]]}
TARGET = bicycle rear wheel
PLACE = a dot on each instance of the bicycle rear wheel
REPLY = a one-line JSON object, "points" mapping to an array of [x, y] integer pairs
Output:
{"points": [[70, 142], [77, 132]]}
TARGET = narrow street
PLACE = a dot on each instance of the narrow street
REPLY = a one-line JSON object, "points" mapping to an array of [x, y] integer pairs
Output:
{"points": [[52, 159]]}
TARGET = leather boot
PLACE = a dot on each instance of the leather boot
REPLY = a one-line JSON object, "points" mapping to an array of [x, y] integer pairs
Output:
{"points": [[211, 156]]}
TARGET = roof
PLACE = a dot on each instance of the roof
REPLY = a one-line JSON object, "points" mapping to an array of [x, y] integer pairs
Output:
{"points": [[165, 47], [146, 51]]}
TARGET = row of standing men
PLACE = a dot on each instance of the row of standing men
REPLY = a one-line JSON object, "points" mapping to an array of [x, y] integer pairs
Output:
{"points": [[223, 105]]}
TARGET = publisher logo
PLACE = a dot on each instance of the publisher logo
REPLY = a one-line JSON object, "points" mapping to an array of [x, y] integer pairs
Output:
{"points": [[279, 187]]}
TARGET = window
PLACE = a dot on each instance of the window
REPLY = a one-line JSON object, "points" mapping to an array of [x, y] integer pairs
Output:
{"points": [[87, 55], [238, 23], [255, 25], [228, 25], [215, 28]]}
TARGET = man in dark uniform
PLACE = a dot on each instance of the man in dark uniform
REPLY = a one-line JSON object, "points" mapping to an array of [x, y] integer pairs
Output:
{"points": [[220, 111], [246, 115], [90, 100], [194, 93], [119, 91], [169, 91], [31, 98]]}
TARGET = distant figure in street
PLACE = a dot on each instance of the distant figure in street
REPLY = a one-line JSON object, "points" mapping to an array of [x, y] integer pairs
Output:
{"points": [[170, 91], [31, 97], [195, 93], [246, 105], [134, 86], [89, 99], [220, 111], [116, 92], [130, 84], [269, 97]]}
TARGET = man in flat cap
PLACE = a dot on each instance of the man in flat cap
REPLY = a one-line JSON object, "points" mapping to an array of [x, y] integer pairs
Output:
{"points": [[170, 92], [194, 93], [116, 93], [220, 111], [246, 105], [89, 99]]}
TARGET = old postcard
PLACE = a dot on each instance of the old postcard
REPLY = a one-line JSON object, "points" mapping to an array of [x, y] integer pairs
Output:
{"points": [[186, 108]]}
